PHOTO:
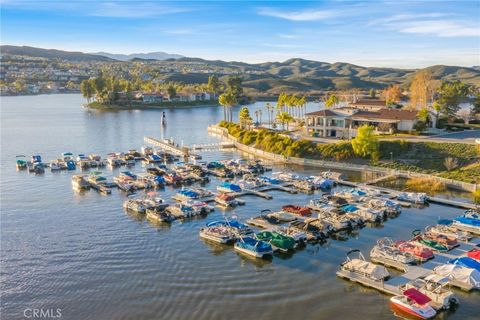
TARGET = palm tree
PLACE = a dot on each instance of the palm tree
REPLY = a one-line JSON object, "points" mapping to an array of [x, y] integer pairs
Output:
{"points": [[244, 116], [284, 118], [303, 106], [227, 100], [270, 110]]}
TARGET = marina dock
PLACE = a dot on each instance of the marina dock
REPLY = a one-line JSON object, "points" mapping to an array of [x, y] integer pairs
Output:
{"points": [[172, 148]]}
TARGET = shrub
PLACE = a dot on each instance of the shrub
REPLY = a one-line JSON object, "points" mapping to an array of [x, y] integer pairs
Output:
{"points": [[428, 185], [476, 196]]}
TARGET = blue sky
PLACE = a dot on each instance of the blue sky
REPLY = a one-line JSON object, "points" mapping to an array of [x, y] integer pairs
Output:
{"points": [[405, 34]]}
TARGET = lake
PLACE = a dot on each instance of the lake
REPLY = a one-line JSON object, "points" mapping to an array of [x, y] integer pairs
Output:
{"points": [[83, 254]]}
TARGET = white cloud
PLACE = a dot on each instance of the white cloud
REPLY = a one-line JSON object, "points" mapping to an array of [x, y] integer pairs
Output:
{"points": [[304, 15], [440, 28], [132, 10], [427, 23]]}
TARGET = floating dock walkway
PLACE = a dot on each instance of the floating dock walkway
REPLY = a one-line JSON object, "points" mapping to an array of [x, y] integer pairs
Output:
{"points": [[180, 151]]}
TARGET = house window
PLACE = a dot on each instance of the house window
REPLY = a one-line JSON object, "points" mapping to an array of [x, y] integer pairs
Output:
{"points": [[319, 121]]}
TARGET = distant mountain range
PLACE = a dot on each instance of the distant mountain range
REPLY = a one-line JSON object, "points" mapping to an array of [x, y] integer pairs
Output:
{"points": [[293, 75], [144, 56], [51, 53]]}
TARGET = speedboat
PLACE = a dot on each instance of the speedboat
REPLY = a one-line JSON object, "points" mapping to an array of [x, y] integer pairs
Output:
{"points": [[421, 253], [301, 211], [285, 176], [270, 180], [21, 162], [385, 251], [277, 240], [253, 247], [172, 178], [264, 221], [227, 187], [361, 268], [219, 234], [300, 237], [413, 197], [414, 303]]}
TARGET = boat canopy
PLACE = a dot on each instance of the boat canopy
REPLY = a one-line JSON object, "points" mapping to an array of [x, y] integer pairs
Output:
{"points": [[459, 273], [474, 254], [371, 270], [417, 296], [469, 221], [466, 262], [445, 222]]}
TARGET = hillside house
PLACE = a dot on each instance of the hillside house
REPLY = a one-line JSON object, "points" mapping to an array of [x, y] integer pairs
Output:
{"points": [[343, 122]]}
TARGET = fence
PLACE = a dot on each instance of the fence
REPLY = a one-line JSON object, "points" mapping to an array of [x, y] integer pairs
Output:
{"points": [[223, 132]]}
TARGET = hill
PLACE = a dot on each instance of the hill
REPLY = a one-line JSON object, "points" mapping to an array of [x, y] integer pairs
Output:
{"points": [[292, 75], [51, 53]]}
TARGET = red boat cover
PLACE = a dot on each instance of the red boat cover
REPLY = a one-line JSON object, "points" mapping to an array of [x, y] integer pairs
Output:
{"points": [[474, 254], [417, 296]]}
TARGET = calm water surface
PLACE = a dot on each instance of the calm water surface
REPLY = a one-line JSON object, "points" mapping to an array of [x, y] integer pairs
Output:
{"points": [[82, 253]]}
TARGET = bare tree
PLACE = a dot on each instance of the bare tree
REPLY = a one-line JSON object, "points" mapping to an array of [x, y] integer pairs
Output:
{"points": [[450, 163]]}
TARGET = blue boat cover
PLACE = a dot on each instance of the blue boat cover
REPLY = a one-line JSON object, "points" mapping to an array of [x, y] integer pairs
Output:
{"points": [[231, 186], [254, 245], [357, 192], [445, 222], [469, 221], [466, 262], [349, 208]]}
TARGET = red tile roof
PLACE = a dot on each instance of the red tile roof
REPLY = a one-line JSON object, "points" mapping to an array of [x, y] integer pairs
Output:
{"points": [[387, 114], [323, 113]]}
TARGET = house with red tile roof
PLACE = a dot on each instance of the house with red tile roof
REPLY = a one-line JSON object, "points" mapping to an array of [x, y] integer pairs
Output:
{"points": [[344, 122]]}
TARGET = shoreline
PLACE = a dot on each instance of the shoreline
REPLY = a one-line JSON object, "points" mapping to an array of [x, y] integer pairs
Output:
{"points": [[222, 132], [113, 107]]}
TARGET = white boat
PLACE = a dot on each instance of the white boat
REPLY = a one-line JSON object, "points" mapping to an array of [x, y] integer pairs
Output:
{"points": [[413, 197], [458, 276], [414, 303], [298, 236], [285, 176], [363, 268], [386, 253], [79, 182], [388, 206], [54, 165], [136, 205], [159, 215], [448, 231], [219, 234]]}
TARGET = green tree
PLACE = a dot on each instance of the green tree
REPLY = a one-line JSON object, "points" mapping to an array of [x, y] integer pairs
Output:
{"points": [[214, 84], [284, 118], [86, 87], [227, 100], [332, 101], [476, 101], [171, 91], [437, 108], [244, 117], [366, 143], [372, 93], [450, 94], [423, 115], [234, 86]]}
